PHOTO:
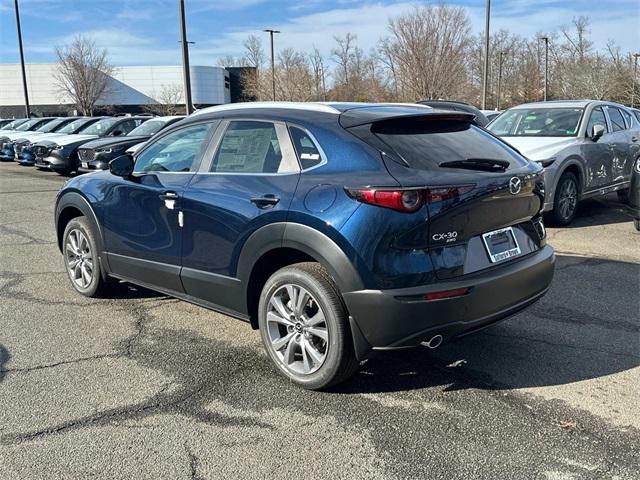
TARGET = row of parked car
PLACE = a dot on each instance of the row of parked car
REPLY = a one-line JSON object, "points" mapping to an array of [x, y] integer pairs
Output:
{"points": [[75, 144], [587, 148]]}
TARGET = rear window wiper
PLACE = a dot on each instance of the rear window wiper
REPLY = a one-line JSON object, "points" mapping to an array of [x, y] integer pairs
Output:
{"points": [[486, 164]]}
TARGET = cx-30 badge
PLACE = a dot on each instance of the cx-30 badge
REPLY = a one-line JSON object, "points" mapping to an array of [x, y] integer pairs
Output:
{"points": [[515, 185]]}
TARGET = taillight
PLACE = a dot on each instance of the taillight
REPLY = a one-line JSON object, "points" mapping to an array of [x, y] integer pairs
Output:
{"points": [[406, 200]]}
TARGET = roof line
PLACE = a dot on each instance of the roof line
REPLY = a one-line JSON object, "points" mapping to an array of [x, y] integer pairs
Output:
{"points": [[308, 106]]}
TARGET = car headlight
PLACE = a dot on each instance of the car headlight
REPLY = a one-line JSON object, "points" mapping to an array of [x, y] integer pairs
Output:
{"points": [[546, 162], [57, 147]]}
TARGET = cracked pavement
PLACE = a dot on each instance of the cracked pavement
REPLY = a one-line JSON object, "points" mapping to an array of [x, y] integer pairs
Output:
{"points": [[145, 386]]}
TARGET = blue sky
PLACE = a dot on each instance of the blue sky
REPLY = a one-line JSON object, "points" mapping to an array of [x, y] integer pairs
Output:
{"points": [[144, 32]]}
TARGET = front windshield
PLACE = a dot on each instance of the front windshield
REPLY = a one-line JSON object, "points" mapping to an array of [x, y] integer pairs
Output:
{"points": [[50, 126], [99, 128], [150, 127], [73, 127], [14, 124], [28, 124], [537, 122]]}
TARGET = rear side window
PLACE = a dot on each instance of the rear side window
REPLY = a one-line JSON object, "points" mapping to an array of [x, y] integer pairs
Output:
{"points": [[253, 147], [306, 149], [425, 145], [627, 118], [617, 121]]}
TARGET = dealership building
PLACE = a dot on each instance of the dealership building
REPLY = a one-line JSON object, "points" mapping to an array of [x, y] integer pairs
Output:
{"points": [[130, 89]]}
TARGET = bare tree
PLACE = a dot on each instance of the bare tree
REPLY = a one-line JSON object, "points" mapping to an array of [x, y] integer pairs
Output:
{"points": [[254, 54], [170, 100], [427, 47], [83, 72], [316, 60]]}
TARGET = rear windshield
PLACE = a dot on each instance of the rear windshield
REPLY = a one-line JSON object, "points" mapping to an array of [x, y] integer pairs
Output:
{"points": [[538, 122], [426, 145]]}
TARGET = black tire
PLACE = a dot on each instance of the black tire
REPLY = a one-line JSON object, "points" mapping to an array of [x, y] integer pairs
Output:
{"points": [[623, 196], [97, 286], [565, 201], [339, 361], [636, 223]]}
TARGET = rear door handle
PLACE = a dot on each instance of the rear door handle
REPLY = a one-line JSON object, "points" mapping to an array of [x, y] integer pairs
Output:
{"points": [[267, 201]]}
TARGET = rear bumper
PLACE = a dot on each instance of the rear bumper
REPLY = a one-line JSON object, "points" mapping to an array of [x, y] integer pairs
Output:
{"points": [[387, 320]]}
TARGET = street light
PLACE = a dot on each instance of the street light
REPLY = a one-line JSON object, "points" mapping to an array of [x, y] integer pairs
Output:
{"points": [[24, 75], [273, 62], [485, 74], [185, 60], [635, 75], [546, 66], [499, 79]]}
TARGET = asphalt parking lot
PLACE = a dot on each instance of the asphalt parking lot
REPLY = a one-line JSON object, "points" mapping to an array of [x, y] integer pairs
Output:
{"points": [[145, 386]]}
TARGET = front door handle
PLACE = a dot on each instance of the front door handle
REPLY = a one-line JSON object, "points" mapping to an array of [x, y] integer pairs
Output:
{"points": [[169, 199], [634, 139], [266, 201]]}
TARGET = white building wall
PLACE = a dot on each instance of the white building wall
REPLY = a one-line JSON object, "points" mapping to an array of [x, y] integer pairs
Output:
{"points": [[129, 85]]}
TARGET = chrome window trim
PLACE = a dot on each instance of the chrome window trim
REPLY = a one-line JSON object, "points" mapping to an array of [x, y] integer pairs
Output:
{"points": [[205, 165]]}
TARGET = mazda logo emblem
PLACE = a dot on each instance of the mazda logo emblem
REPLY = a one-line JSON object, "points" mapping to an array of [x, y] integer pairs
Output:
{"points": [[515, 185]]}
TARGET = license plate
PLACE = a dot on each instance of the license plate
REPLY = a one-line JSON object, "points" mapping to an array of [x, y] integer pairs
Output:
{"points": [[501, 244], [84, 164]]}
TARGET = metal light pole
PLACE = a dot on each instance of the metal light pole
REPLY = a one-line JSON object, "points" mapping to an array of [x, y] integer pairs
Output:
{"points": [[185, 60], [546, 66], [24, 75], [485, 74], [499, 79], [635, 75], [273, 62]]}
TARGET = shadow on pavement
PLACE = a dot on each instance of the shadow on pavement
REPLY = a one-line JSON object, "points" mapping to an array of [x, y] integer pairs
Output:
{"points": [[599, 211], [587, 326], [4, 358]]}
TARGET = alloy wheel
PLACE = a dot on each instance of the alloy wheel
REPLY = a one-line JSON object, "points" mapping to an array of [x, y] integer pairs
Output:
{"points": [[568, 199], [79, 258], [297, 330]]}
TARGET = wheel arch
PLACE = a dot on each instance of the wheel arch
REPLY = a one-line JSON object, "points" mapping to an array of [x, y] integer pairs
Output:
{"points": [[280, 244], [72, 205], [575, 166]]}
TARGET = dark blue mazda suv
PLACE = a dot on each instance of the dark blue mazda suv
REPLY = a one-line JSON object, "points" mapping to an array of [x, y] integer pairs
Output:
{"points": [[337, 230]]}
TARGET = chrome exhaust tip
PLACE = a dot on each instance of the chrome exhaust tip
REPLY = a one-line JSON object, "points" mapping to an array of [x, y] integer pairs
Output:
{"points": [[433, 342]]}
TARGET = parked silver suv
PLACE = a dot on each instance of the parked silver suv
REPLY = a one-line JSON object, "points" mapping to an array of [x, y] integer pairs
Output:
{"points": [[587, 148]]}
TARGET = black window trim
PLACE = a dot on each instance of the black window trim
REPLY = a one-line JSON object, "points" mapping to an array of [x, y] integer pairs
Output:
{"points": [[611, 121]]}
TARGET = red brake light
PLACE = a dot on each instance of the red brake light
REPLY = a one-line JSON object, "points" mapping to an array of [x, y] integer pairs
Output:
{"points": [[408, 200]]}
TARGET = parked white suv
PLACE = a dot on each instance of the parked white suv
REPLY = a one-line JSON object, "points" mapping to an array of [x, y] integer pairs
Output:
{"points": [[587, 148]]}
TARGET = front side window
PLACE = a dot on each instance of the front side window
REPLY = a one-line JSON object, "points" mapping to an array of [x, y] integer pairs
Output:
{"points": [[628, 119], [127, 126], [540, 122], [306, 149], [252, 147], [175, 152], [617, 121], [596, 118]]}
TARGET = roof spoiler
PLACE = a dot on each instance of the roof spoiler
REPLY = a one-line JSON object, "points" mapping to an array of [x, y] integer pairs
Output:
{"points": [[363, 116]]}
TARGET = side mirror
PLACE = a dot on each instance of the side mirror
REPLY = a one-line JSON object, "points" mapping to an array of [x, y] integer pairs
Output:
{"points": [[116, 133], [122, 166], [596, 132]]}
